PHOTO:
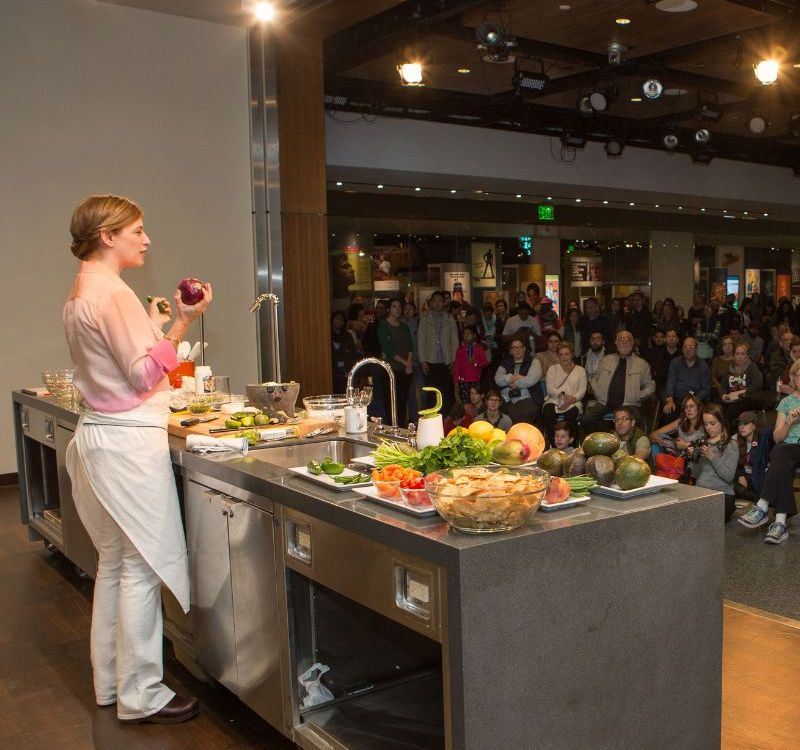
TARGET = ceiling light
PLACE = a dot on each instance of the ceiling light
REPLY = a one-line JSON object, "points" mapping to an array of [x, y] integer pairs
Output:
{"points": [[495, 42], [631, 203], [549, 197], [519, 195], [599, 101], [417, 189], [526, 80], [745, 213], [264, 11], [636, 98], [616, 50], [657, 205], [338, 184], [380, 187], [765, 214], [577, 200], [767, 71], [670, 141], [410, 74], [702, 136], [464, 71], [758, 124], [605, 203], [622, 21], [680, 208], [452, 192], [702, 209], [564, 7], [676, 6], [614, 147], [652, 88], [585, 106]]}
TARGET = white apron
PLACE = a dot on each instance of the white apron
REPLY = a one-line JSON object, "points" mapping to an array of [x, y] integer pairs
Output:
{"points": [[121, 462]]}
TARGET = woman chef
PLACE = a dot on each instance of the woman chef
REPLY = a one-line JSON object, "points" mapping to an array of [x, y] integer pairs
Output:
{"points": [[119, 459]]}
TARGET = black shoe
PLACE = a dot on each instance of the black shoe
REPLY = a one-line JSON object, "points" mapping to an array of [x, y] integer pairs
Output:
{"points": [[177, 710]]}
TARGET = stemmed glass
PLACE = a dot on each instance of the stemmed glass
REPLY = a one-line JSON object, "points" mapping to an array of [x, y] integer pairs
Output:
{"points": [[359, 396]]}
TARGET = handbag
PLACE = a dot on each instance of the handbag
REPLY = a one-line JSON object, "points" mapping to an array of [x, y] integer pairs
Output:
{"points": [[672, 467]]}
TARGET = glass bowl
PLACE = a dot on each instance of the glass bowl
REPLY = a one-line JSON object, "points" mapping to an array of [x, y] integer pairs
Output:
{"points": [[486, 499], [388, 489], [416, 497], [331, 406]]}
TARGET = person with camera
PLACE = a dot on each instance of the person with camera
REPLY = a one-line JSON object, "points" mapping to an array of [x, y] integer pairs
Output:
{"points": [[777, 489], [715, 457]]}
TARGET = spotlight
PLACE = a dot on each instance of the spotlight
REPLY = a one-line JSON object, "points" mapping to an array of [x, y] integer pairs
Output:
{"points": [[495, 42], [614, 147], [670, 141], [615, 52], [794, 124], [599, 101], [702, 136], [527, 81], [585, 106], [410, 74], [652, 89], [708, 107], [767, 71], [758, 124], [264, 11]]}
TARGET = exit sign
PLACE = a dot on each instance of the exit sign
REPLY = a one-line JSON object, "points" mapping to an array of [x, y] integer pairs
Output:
{"points": [[546, 212]]}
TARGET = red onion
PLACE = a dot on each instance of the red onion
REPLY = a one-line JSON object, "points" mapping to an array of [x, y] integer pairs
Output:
{"points": [[191, 291]]}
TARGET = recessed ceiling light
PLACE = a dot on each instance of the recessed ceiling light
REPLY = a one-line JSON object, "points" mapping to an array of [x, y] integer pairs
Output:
{"points": [[622, 21], [519, 195], [766, 214], [380, 187], [745, 213], [605, 203], [452, 192], [702, 209], [565, 7], [657, 205], [338, 184], [680, 208], [636, 98], [549, 197], [577, 200], [631, 203], [264, 11], [464, 71], [676, 6], [417, 189]]}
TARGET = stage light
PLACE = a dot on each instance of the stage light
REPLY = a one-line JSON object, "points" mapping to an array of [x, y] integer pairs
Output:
{"points": [[702, 136], [495, 42], [264, 11], [614, 147], [767, 71], [410, 74], [758, 124], [670, 141], [652, 88], [526, 80]]}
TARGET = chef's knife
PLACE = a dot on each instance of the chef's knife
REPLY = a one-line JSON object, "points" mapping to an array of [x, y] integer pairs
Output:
{"points": [[192, 421]]}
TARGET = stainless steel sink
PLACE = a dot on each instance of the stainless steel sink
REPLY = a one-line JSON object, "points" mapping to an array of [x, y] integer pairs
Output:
{"points": [[342, 450]]}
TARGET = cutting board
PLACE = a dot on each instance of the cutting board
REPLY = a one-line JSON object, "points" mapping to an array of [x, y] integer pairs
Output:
{"points": [[306, 426]]}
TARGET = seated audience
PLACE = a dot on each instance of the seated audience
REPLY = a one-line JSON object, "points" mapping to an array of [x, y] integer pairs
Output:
{"points": [[683, 431], [594, 354], [632, 439], [456, 418], [747, 438], [794, 355], [564, 435], [737, 387], [476, 403], [777, 490], [714, 463], [687, 374], [752, 337], [493, 415], [661, 355], [621, 379], [566, 387], [779, 359], [518, 375], [549, 356], [720, 364]]}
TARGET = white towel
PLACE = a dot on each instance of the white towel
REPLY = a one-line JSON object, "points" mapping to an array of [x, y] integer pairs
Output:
{"points": [[208, 444]]}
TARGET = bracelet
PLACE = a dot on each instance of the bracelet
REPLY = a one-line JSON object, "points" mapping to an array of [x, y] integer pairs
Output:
{"points": [[172, 339]]}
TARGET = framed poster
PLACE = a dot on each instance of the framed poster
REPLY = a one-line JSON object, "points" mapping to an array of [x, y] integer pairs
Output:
{"points": [[484, 264], [783, 286], [768, 283], [717, 284], [552, 283], [733, 288], [585, 271], [456, 280], [752, 281]]}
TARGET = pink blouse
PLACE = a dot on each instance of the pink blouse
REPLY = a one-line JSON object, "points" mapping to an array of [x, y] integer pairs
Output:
{"points": [[121, 357]]}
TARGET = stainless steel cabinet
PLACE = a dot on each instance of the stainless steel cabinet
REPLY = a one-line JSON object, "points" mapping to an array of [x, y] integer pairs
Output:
{"points": [[234, 602]]}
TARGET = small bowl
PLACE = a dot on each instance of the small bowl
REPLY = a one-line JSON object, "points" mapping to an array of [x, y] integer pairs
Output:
{"points": [[330, 406], [416, 497], [388, 489]]}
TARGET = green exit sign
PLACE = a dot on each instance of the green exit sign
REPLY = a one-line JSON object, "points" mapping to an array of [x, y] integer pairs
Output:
{"points": [[546, 212]]}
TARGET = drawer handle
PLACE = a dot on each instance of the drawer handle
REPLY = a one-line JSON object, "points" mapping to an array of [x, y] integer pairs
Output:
{"points": [[26, 420], [48, 429]]}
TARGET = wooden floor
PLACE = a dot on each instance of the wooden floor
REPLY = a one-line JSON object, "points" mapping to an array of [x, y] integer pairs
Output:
{"points": [[46, 698]]}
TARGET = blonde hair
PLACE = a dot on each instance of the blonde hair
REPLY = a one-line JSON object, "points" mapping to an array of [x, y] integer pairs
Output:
{"points": [[794, 368], [99, 213]]}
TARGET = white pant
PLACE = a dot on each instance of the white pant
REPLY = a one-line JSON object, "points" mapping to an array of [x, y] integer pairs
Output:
{"points": [[127, 628]]}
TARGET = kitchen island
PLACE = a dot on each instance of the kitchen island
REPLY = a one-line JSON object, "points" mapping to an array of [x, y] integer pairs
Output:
{"points": [[598, 626]]}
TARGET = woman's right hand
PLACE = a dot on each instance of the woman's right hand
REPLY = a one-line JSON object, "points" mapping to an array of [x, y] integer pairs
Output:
{"points": [[188, 313]]}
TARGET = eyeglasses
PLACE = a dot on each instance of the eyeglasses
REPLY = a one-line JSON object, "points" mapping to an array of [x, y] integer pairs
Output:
{"points": [[623, 419]]}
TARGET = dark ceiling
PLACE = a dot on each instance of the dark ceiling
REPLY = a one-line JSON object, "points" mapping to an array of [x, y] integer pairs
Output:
{"points": [[703, 55]]}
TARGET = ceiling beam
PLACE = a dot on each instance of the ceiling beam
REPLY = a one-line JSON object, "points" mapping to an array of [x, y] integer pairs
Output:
{"points": [[386, 31]]}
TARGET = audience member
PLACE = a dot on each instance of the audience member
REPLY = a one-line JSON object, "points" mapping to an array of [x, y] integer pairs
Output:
{"points": [[457, 417], [572, 331], [591, 321], [438, 343], [632, 438], [594, 354], [639, 321], [476, 403], [566, 387], [742, 381], [779, 359], [522, 324], [564, 434], [343, 350], [720, 364], [661, 355], [493, 415], [469, 364], [549, 356], [397, 348], [518, 375], [683, 431], [752, 338], [744, 488], [687, 374], [794, 355]]}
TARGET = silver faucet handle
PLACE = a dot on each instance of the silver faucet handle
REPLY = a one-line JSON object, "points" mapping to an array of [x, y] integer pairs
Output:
{"points": [[378, 422], [412, 428]]}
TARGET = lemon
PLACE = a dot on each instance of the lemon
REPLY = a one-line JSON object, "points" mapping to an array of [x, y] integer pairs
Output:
{"points": [[497, 434], [481, 430], [458, 431]]}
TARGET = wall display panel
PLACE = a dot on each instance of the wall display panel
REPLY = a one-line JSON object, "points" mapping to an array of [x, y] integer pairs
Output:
{"points": [[485, 258], [752, 281], [783, 286], [585, 271], [768, 283]]}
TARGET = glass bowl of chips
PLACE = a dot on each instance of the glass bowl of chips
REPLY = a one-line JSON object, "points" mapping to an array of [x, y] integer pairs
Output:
{"points": [[485, 499]]}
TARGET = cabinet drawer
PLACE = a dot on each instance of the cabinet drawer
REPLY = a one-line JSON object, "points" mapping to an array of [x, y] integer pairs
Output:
{"points": [[38, 425]]}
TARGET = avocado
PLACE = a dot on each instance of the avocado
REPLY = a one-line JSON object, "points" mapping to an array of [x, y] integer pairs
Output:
{"points": [[632, 473], [600, 444], [601, 469], [552, 461], [575, 464], [619, 456]]}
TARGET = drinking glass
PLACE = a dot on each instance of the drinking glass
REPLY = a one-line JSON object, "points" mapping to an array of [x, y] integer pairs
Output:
{"points": [[220, 392]]}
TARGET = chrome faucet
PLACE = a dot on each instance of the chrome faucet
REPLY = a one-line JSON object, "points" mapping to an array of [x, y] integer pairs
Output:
{"points": [[392, 393]]}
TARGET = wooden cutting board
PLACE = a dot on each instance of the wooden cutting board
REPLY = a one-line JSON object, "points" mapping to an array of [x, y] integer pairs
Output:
{"points": [[303, 428]]}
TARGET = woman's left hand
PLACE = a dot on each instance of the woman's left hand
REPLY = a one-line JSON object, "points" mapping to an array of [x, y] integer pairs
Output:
{"points": [[708, 451], [158, 317]]}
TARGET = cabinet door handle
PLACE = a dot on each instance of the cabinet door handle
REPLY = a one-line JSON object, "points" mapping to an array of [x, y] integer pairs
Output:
{"points": [[48, 430], [26, 420]]}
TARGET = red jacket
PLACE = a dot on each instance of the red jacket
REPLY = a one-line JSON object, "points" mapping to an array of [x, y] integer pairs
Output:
{"points": [[466, 371]]}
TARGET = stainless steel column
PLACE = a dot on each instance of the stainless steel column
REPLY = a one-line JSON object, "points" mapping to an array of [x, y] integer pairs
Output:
{"points": [[265, 159]]}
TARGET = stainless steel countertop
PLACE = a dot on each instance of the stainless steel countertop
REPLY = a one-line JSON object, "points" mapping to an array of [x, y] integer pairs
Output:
{"points": [[429, 538]]}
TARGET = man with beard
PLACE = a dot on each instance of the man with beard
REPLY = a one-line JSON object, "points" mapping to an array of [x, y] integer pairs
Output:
{"points": [[592, 320]]}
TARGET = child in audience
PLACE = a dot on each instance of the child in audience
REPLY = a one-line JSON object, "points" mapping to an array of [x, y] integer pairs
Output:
{"points": [[470, 362], [564, 436], [747, 439], [476, 404], [457, 418]]}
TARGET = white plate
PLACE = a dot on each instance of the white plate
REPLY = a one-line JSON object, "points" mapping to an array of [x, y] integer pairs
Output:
{"points": [[368, 460], [327, 481], [654, 484], [570, 502], [420, 511]]}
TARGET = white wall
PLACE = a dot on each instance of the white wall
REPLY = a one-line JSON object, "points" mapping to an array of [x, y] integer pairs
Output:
{"points": [[458, 156], [103, 98], [672, 267]]}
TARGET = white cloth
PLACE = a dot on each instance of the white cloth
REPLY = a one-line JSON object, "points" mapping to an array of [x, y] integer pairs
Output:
{"points": [[127, 629], [121, 462]]}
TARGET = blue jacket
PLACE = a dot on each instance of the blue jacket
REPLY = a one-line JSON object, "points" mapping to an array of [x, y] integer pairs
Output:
{"points": [[683, 380]]}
